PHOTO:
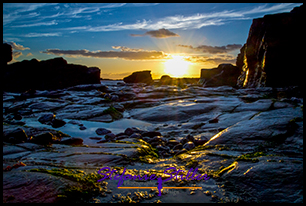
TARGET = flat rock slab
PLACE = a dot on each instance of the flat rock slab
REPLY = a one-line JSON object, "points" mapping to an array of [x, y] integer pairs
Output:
{"points": [[265, 126], [102, 118], [80, 112], [267, 181], [111, 153], [30, 187]]}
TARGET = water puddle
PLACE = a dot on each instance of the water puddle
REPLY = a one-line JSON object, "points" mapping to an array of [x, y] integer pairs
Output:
{"points": [[74, 130]]}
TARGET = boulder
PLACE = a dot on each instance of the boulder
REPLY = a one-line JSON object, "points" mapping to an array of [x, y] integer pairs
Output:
{"points": [[72, 141], [46, 118], [56, 123], [43, 138], [271, 56], [225, 74], [139, 77], [49, 74], [102, 131], [15, 136], [166, 79]]}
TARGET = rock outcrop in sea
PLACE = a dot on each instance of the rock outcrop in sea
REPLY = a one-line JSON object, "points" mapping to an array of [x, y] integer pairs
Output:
{"points": [[47, 75], [139, 77], [224, 75], [273, 53]]}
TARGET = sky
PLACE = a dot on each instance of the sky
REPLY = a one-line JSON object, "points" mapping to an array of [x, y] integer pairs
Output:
{"points": [[176, 39]]}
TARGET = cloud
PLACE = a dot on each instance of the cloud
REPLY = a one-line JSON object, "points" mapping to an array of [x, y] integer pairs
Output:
{"points": [[125, 53], [215, 60], [213, 49], [17, 54], [15, 11], [195, 21], [37, 24], [16, 46], [123, 48], [160, 33], [114, 75], [29, 54], [43, 34], [144, 4]]}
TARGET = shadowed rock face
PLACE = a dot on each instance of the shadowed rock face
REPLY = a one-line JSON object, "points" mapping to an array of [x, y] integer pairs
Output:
{"points": [[47, 75], [272, 55], [225, 74], [7, 53], [139, 77]]}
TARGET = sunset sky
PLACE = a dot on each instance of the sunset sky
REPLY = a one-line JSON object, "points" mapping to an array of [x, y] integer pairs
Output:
{"points": [[177, 39]]}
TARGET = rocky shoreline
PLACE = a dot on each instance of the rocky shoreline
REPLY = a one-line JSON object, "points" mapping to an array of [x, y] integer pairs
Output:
{"points": [[245, 135], [249, 141]]}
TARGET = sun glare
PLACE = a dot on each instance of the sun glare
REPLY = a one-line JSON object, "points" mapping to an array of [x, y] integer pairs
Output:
{"points": [[176, 67]]}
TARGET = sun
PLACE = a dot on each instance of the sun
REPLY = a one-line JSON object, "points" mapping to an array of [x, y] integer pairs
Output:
{"points": [[176, 67]]}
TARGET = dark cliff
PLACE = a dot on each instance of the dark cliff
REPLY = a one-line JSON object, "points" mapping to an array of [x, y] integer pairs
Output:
{"points": [[273, 53]]}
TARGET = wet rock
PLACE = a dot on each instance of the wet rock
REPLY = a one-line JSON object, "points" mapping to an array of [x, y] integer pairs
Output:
{"points": [[15, 181], [102, 141], [268, 181], [102, 131], [72, 141], [189, 145], [95, 138], [114, 98], [16, 136], [178, 152], [136, 136], [139, 77], [225, 74], [79, 111], [46, 118], [43, 138], [215, 120], [163, 148], [107, 96], [102, 118], [119, 107], [172, 143], [178, 147], [151, 134], [75, 122], [89, 87], [122, 137], [130, 131], [165, 112], [82, 128], [190, 138], [267, 126], [17, 117], [13, 122], [110, 136], [56, 123], [200, 142]]}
